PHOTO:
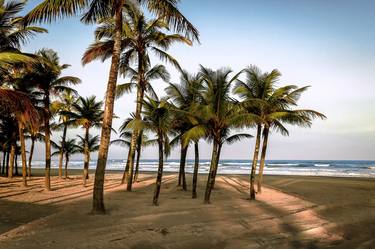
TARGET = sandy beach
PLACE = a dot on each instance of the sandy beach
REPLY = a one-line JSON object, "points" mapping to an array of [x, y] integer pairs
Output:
{"points": [[292, 212]]}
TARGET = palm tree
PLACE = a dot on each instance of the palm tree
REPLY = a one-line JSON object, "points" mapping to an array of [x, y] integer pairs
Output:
{"points": [[20, 83], [95, 10], [157, 119], [9, 129], [277, 112], [124, 141], [70, 148], [154, 73], [255, 90], [88, 113], [64, 105], [46, 76], [186, 96], [140, 38], [220, 113], [14, 33], [270, 105], [86, 145], [21, 109], [34, 136]]}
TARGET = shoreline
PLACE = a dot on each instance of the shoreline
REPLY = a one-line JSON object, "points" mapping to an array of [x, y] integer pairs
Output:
{"points": [[54, 172]]}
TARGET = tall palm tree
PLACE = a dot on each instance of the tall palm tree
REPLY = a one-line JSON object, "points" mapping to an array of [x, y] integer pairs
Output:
{"points": [[88, 113], [270, 104], [255, 90], [94, 10], [220, 113], [186, 96], [157, 119], [45, 74], [152, 73], [140, 38], [20, 83], [64, 105], [13, 34]]}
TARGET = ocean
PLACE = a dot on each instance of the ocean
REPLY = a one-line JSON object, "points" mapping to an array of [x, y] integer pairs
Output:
{"points": [[340, 168]]}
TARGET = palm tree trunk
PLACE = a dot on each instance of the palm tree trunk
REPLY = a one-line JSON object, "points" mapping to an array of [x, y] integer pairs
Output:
{"points": [[182, 176], [31, 156], [217, 163], [66, 166], [98, 195], [47, 141], [139, 149], [61, 154], [11, 159], [134, 138], [160, 171], [23, 154], [196, 168], [87, 157], [7, 162], [254, 163], [16, 164], [4, 162], [212, 173], [262, 158], [126, 171]]}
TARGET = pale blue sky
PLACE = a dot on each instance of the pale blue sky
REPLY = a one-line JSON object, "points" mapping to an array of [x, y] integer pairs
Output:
{"points": [[326, 44]]}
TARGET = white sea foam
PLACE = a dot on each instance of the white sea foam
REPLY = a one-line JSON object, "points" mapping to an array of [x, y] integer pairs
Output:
{"points": [[322, 165], [283, 164]]}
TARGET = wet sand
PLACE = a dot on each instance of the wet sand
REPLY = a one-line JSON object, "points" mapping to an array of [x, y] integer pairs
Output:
{"points": [[291, 212]]}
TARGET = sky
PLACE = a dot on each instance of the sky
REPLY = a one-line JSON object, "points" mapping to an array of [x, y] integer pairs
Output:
{"points": [[328, 45]]}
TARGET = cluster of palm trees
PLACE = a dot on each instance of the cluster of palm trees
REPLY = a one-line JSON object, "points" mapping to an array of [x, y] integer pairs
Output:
{"points": [[33, 92], [213, 105]]}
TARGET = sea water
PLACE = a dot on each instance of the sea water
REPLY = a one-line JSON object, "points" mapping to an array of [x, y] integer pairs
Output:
{"points": [[342, 168]]}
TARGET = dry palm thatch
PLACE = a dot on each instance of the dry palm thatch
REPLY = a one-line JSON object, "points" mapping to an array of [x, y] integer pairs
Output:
{"points": [[19, 104]]}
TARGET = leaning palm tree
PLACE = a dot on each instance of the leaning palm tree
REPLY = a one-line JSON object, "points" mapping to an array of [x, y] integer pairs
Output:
{"points": [[88, 113], [64, 105], [45, 74], [94, 10], [186, 96], [141, 37], [157, 119], [276, 112], [220, 113], [20, 108]]}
